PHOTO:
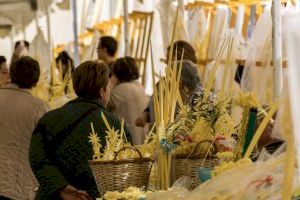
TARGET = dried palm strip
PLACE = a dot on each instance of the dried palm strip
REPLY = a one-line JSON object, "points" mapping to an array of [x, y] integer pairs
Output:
{"points": [[290, 159], [211, 79], [53, 74], [260, 129], [289, 169], [161, 103], [155, 96], [106, 122], [158, 170], [228, 68], [169, 89], [60, 75], [67, 77], [175, 92], [164, 105], [122, 132], [93, 51]]}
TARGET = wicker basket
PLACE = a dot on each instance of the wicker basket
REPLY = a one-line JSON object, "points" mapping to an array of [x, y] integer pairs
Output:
{"points": [[121, 174], [187, 165]]}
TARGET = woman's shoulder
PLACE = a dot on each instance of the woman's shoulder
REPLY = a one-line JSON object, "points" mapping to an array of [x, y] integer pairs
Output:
{"points": [[128, 86]]}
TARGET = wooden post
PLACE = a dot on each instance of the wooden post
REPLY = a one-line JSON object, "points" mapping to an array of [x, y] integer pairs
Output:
{"points": [[126, 28]]}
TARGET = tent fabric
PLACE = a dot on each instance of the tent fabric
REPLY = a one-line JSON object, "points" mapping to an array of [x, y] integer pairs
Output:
{"points": [[259, 80], [19, 12], [40, 50], [167, 12], [293, 42]]}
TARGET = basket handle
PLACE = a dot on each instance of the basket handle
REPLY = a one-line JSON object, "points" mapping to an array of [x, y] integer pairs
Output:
{"points": [[124, 148], [201, 142]]}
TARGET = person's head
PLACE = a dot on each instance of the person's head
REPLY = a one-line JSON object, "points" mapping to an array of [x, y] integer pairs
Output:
{"points": [[184, 47], [22, 44], [4, 77], [65, 61], [125, 69], [91, 81], [25, 72], [189, 80], [21, 49], [107, 48]]}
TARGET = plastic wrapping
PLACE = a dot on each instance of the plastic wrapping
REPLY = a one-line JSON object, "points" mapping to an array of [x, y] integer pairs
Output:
{"points": [[283, 117], [259, 80], [177, 191], [261, 180]]}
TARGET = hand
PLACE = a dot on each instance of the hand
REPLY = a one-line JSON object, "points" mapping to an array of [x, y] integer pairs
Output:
{"points": [[71, 193], [140, 121]]}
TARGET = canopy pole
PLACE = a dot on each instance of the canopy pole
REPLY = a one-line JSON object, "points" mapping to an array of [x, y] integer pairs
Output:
{"points": [[126, 28], [76, 51], [277, 48]]}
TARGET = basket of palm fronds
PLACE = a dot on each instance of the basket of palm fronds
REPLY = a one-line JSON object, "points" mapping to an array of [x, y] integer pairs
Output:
{"points": [[117, 175], [119, 165], [186, 164]]}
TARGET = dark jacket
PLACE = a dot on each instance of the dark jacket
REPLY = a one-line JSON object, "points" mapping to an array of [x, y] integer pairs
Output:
{"points": [[59, 156]]}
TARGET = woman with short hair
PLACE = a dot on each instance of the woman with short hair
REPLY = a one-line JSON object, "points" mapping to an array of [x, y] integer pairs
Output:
{"points": [[60, 151], [19, 114], [128, 98]]}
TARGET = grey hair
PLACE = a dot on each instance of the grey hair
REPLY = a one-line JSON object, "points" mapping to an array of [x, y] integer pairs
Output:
{"points": [[189, 76]]}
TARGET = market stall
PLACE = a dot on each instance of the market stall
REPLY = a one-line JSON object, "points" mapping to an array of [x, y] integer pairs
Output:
{"points": [[201, 148]]}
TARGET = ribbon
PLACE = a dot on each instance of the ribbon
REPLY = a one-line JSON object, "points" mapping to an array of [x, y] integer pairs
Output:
{"points": [[167, 146], [260, 182]]}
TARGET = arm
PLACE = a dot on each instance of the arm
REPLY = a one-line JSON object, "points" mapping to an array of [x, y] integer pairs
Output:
{"points": [[145, 118], [49, 176]]}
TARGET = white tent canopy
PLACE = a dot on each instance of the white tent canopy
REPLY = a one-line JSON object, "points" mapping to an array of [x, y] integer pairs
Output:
{"points": [[21, 12]]}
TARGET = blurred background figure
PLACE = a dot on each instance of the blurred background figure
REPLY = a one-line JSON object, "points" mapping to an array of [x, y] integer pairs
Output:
{"points": [[181, 50], [64, 63], [20, 112], [107, 49], [21, 49], [128, 98], [4, 75], [189, 81]]}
